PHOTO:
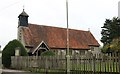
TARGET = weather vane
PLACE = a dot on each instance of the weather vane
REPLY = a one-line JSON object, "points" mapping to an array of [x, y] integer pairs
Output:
{"points": [[23, 7]]}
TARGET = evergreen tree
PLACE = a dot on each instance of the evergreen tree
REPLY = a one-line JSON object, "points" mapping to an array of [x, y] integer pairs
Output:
{"points": [[110, 30], [9, 51]]}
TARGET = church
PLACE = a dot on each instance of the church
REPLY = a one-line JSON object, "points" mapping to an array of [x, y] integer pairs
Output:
{"points": [[39, 38]]}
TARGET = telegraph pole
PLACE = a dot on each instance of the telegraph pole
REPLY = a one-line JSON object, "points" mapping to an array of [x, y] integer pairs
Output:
{"points": [[67, 51]]}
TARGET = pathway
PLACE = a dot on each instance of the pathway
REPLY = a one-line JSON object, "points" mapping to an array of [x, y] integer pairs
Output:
{"points": [[9, 71]]}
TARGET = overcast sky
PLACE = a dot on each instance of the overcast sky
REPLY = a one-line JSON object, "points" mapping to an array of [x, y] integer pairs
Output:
{"points": [[83, 14]]}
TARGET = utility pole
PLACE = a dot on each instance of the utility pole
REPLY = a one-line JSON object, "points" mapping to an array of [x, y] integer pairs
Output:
{"points": [[67, 51], [0, 47]]}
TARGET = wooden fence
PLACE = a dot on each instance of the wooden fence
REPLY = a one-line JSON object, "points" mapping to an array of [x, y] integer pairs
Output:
{"points": [[102, 63]]}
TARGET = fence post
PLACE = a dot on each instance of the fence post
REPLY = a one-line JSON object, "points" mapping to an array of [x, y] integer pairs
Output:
{"points": [[46, 64], [119, 61], [93, 64], [12, 60]]}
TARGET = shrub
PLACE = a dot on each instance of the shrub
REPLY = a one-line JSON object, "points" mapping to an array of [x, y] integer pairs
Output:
{"points": [[9, 51], [47, 53]]}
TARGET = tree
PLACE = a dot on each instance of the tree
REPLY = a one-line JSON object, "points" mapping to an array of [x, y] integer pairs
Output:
{"points": [[107, 49], [115, 44], [110, 30], [9, 51]]}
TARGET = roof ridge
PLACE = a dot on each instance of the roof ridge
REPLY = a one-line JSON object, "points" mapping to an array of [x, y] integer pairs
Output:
{"points": [[59, 27]]}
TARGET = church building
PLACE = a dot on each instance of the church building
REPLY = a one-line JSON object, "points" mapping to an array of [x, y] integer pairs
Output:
{"points": [[40, 38]]}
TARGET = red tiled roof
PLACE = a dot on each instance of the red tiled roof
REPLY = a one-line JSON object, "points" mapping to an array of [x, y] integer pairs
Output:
{"points": [[55, 37], [27, 35]]}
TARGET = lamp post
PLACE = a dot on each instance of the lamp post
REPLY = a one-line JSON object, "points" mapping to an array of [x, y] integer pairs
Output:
{"points": [[67, 51], [0, 51], [0, 61]]}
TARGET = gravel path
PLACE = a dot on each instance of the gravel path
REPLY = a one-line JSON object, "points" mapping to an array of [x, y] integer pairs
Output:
{"points": [[8, 71]]}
